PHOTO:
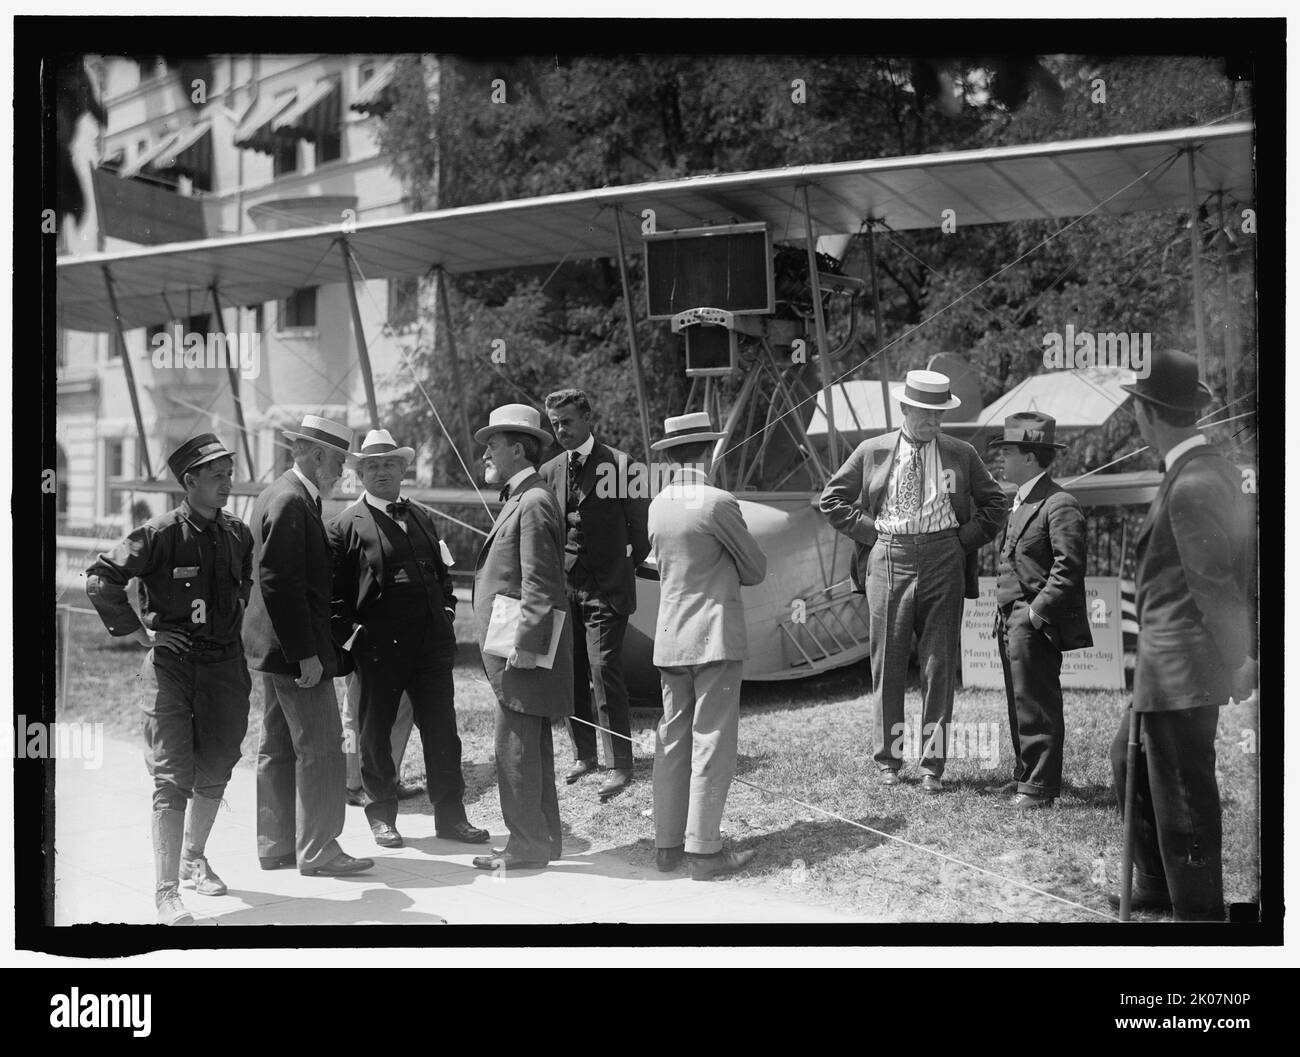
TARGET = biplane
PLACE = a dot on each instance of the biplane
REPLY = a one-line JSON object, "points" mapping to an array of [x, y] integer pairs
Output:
{"points": [[787, 422]]}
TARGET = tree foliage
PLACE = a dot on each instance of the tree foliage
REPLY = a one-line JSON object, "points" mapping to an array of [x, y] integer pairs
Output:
{"points": [[525, 126]]}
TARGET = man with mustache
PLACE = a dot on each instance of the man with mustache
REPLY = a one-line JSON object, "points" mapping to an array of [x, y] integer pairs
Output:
{"points": [[521, 567], [393, 601], [194, 565]]}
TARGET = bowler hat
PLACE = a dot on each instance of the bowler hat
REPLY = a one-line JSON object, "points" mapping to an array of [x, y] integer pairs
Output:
{"points": [[1172, 382]]}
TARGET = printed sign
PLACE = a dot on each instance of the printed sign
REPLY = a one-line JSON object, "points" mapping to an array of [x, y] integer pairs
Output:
{"points": [[1099, 668]]}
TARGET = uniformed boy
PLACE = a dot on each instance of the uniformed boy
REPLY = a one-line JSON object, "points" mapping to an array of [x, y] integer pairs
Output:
{"points": [[194, 564]]}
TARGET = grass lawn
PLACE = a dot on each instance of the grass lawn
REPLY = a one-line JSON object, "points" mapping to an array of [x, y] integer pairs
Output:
{"points": [[811, 740]]}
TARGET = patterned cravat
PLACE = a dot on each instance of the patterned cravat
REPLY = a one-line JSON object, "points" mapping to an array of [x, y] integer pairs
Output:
{"points": [[575, 471], [910, 483]]}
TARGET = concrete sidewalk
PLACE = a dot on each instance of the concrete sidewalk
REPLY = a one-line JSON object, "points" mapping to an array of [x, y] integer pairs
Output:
{"points": [[104, 871]]}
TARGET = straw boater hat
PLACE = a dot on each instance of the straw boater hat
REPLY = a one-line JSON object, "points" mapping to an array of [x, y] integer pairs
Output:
{"points": [[323, 431], [195, 452], [687, 429], [379, 443], [514, 418], [1030, 428], [928, 389], [1173, 382]]}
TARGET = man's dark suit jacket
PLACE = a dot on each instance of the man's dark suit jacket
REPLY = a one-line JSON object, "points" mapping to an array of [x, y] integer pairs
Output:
{"points": [[610, 520], [354, 537], [1048, 545], [288, 616], [854, 495], [1194, 612]]}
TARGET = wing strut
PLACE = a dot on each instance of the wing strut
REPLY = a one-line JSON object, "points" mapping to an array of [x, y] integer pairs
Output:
{"points": [[631, 337], [129, 372], [823, 345], [232, 369], [363, 350]]}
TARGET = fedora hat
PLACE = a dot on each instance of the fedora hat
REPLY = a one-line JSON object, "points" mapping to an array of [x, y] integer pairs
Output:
{"points": [[1173, 382], [195, 452], [513, 418], [323, 431], [687, 429], [1031, 428], [928, 389], [379, 443]]}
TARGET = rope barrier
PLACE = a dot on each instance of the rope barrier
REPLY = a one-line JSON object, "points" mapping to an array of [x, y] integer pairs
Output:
{"points": [[887, 836]]}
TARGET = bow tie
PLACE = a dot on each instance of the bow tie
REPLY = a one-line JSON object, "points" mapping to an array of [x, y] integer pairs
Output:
{"points": [[398, 510]]}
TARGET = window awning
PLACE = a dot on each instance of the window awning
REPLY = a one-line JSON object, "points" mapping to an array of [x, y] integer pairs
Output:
{"points": [[190, 152], [255, 131], [148, 157], [372, 97], [314, 114]]}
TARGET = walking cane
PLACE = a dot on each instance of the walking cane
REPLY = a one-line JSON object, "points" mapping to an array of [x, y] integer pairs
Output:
{"points": [[1130, 780]]}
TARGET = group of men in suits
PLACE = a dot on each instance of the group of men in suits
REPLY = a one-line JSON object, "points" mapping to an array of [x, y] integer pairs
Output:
{"points": [[919, 505], [301, 602], [559, 563]]}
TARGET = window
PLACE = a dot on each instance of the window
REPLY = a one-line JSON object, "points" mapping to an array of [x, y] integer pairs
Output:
{"points": [[364, 72], [299, 309], [403, 302], [329, 147], [284, 157], [116, 470], [114, 460]]}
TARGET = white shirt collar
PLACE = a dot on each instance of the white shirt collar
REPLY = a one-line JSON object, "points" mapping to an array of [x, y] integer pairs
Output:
{"points": [[1022, 493], [1181, 449], [312, 490], [519, 478], [377, 503], [698, 475], [584, 449]]}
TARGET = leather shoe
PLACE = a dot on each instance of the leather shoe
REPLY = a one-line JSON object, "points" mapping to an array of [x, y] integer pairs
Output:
{"points": [[1153, 901], [707, 867], [278, 862], [341, 865], [579, 769], [668, 859], [506, 862], [1005, 789], [1028, 802], [465, 833], [931, 784], [200, 871], [614, 784], [889, 776], [385, 835], [356, 797], [407, 792]]}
